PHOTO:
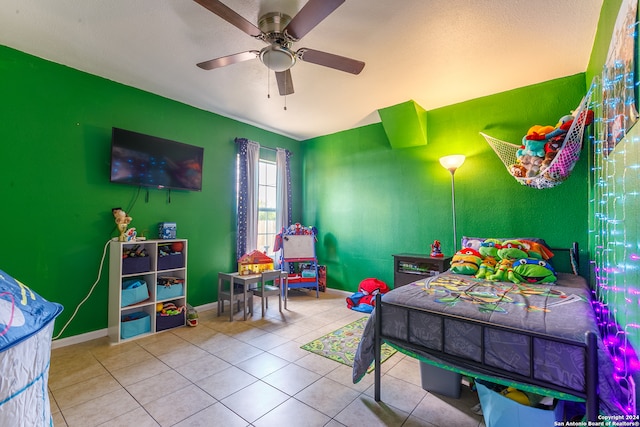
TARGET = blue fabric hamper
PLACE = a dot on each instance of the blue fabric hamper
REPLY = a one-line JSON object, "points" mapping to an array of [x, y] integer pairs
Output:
{"points": [[500, 411], [134, 265], [133, 291], [169, 291], [135, 324]]}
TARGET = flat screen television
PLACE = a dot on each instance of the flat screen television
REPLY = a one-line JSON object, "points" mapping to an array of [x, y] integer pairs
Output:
{"points": [[148, 161]]}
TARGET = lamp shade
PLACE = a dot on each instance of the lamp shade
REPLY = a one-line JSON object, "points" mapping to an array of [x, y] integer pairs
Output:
{"points": [[452, 162]]}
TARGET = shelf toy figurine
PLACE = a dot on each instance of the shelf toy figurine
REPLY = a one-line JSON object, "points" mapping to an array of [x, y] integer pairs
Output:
{"points": [[131, 235], [192, 316], [435, 249], [122, 221]]}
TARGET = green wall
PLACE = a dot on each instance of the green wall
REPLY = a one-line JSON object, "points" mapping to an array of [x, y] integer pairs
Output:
{"points": [[55, 130], [370, 201]]}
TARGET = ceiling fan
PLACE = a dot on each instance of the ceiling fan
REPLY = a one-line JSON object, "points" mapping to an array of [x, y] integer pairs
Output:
{"points": [[280, 32]]}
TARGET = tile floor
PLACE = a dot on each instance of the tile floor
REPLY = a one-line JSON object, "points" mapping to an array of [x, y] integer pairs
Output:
{"points": [[242, 373]]}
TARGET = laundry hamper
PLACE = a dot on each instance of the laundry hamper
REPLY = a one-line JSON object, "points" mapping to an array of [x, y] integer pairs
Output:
{"points": [[26, 327]]}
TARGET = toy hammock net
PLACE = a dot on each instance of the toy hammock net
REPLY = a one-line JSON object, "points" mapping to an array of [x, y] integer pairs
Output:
{"points": [[559, 169]]}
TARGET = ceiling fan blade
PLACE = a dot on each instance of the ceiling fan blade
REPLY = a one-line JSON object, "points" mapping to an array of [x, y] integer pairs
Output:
{"points": [[330, 60], [230, 16], [309, 16], [228, 60], [285, 83]]}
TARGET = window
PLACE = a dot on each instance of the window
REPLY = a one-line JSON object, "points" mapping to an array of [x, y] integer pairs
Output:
{"points": [[266, 206]]}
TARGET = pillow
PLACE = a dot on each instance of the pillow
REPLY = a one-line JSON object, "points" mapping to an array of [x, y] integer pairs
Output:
{"points": [[536, 247], [466, 261], [534, 271]]}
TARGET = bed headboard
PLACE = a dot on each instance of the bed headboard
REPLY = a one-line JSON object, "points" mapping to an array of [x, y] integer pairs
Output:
{"points": [[572, 258]]}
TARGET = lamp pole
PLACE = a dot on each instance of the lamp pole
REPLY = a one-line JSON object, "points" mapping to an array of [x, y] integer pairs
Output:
{"points": [[453, 209], [452, 163]]}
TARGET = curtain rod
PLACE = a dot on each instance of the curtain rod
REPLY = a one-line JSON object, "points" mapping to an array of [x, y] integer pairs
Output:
{"points": [[266, 148], [276, 150]]}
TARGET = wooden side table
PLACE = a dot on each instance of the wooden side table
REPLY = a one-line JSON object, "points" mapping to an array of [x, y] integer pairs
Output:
{"points": [[408, 267]]}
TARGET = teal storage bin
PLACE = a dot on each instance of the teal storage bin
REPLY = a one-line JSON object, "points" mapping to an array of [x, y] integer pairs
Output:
{"points": [[500, 411], [167, 292], [134, 291], [133, 324]]}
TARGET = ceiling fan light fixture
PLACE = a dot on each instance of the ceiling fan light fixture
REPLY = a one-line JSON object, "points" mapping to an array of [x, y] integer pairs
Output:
{"points": [[277, 58]]}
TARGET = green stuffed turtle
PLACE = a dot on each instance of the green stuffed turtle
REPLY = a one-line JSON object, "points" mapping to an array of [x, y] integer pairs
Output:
{"points": [[531, 271], [466, 261], [509, 252], [489, 252]]}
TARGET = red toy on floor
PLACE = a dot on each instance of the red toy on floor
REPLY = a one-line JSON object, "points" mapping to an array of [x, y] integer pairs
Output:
{"points": [[364, 299]]}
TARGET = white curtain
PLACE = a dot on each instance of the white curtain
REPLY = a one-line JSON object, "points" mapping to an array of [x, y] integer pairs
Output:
{"points": [[282, 190], [253, 159]]}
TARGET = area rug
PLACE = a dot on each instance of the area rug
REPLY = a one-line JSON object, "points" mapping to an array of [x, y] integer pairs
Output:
{"points": [[341, 344]]}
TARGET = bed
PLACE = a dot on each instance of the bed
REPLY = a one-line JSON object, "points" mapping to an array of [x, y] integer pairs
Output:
{"points": [[542, 338]]}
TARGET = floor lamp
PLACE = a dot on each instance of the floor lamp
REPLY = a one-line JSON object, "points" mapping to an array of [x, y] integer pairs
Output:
{"points": [[451, 163]]}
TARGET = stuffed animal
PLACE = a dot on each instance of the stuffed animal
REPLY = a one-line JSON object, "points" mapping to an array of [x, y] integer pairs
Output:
{"points": [[466, 261], [531, 147], [531, 164], [548, 158], [518, 170], [509, 252], [489, 252], [536, 250], [538, 132], [364, 300], [170, 309], [554, 144], [533, 271]]}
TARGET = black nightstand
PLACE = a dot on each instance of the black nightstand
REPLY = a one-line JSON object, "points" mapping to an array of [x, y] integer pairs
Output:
{"points": [[408, 268]]}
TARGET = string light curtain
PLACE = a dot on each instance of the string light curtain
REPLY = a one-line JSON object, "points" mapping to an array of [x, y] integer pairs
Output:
{"points": [[614, 230]]}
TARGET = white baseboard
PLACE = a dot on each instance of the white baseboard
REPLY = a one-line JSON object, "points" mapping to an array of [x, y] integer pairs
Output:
{"points": [[77, 339], [209, 306]]}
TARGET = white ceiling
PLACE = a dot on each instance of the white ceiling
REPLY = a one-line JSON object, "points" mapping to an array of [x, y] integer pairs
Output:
{"points": [[436, 52]]}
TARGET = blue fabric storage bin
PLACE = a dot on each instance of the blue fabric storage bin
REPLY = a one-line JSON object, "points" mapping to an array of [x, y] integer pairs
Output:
{"points": [[168, 322], [133, 265], [171, 261], [133, 291], [172, 291], [135, 324], [500, 411]]}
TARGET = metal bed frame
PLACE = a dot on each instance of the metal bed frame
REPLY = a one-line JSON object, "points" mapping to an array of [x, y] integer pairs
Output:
{"points": [[589, 348]]}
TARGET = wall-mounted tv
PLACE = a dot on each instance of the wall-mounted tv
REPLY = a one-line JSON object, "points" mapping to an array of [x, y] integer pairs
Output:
{"points": [[148, 161]]}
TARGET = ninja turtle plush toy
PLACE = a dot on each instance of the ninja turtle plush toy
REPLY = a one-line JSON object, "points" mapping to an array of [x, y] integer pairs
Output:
{"points": [[529, 270], [466, 261], [536, 250], [489, 252], [510, 252]]}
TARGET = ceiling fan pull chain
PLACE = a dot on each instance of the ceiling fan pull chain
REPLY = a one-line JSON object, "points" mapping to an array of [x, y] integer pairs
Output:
{"points": [[285, 95]]}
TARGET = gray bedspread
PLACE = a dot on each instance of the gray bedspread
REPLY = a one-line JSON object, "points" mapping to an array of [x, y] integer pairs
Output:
{"points": [[562, 310]]}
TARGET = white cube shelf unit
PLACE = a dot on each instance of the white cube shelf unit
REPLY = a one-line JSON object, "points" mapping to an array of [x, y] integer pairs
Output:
{"points": [[163, 260]]}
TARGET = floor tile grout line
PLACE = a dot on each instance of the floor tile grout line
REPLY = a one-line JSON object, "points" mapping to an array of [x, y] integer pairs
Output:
{"points": [[289, 339]]}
